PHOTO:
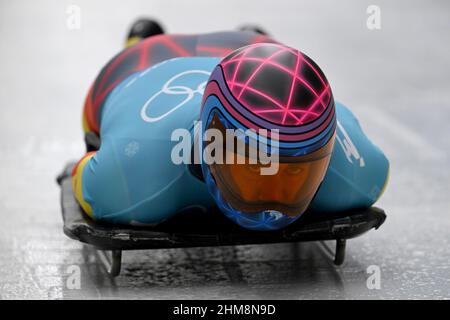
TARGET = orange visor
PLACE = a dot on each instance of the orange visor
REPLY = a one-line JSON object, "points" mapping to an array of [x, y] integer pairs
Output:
{"points": [[289, 191]]}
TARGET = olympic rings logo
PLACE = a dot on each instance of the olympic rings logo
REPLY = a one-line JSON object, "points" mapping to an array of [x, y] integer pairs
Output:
{"points": [[170, 89]]}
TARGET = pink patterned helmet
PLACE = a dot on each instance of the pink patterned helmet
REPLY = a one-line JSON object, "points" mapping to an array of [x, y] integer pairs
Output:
{"points": [[270, 87]]}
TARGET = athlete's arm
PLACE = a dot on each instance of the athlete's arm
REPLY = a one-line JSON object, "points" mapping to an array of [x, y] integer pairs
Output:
{"points": [[99, 182]]}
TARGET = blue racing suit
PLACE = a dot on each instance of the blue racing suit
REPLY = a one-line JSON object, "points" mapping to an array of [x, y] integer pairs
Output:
{"points": [[132, 179]]}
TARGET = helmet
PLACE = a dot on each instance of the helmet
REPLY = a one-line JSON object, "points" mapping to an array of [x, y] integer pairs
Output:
{"points": [[277, 100]]}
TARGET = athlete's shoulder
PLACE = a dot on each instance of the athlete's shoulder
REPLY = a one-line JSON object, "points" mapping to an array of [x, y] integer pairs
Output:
{"points": [[358, 170]]}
